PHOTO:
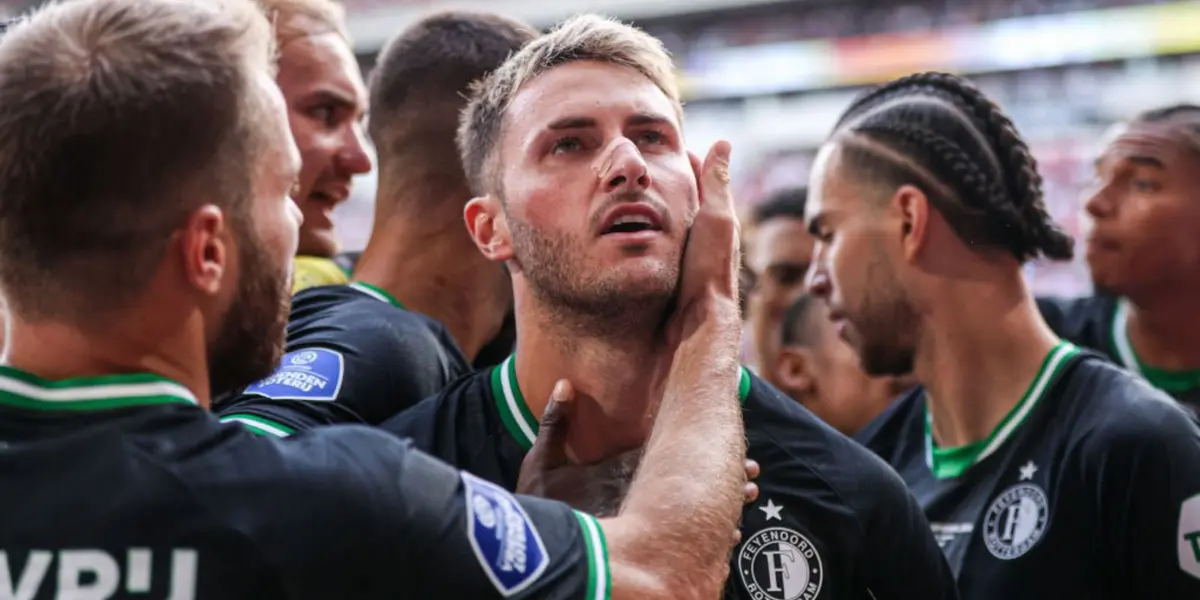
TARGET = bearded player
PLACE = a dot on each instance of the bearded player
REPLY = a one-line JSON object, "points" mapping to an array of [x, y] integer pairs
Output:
{"points": [[117, 480], [1144, 254], [587, 193], [1045, 471], [420, 309]]}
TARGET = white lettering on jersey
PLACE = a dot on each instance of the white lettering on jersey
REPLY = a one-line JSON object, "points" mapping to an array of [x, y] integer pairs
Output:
{"points": [[1189, 536], [944, 533], [93, 574]]}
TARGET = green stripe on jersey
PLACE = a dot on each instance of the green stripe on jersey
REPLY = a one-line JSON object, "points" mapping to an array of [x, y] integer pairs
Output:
{"points": [[24, 390], [514, 410], [259, 425], [1163, 379], [376, 292], [946, 463], [599, 581]]}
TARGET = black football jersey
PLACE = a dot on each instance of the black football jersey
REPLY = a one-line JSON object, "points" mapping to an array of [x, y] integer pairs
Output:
{"points": [[831, 522], [1098, 323], [353, 355], [1088, 489], [122, 487]]}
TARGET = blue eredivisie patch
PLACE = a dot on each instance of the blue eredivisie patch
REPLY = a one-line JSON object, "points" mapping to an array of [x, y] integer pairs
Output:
{"points": [[503, 536], [309, 374]]}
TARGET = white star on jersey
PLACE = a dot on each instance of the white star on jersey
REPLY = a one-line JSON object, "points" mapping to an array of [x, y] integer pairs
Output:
{"points": [[772, 510], [1028, 470]]}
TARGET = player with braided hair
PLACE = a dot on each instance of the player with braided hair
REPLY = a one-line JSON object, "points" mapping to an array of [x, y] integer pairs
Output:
{"points": [[1044, 471], [1144, 254]]}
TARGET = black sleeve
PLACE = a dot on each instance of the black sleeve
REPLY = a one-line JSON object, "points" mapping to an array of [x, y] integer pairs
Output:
{"points": [[396, 523], [363, 372], [1146, 470], [1081, 321], [903, 559]]}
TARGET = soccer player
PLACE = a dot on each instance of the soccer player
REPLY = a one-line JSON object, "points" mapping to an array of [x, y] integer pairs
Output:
{"points": [[819, 370], [1144, 254], [587, 193], [1046, 472], [326, 98], [777, 257], [424, 303], [146, 240]]}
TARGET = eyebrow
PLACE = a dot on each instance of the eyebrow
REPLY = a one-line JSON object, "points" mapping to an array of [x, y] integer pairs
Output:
{"points": [[641, 118]]}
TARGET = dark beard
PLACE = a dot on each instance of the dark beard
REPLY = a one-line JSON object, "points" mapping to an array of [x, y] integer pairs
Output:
{"points": [[250, 342], [886, 328]]}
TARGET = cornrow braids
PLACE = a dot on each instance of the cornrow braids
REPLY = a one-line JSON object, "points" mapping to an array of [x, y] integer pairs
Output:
{"points": [[943, 132]]}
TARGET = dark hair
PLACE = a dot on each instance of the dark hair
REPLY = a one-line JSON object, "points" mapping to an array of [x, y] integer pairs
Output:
{"points": [[419, 85], [941, 134], [1165, 113], [797, 323], [786, 203], [112, 115]]}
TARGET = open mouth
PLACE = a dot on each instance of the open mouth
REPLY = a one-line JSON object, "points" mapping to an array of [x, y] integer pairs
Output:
{"points": [[632, 224]]}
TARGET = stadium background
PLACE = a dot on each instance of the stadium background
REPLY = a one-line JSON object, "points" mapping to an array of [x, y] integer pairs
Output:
{"points": [[773, 75]]}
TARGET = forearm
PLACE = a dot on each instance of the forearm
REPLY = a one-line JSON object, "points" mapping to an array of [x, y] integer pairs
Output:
{"points": [[692, 474]]}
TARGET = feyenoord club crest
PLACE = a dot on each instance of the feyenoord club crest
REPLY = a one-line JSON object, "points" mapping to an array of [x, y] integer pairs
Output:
{"points": [[780, 564], [1016, 521]]}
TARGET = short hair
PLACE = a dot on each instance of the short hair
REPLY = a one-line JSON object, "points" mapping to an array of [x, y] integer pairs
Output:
{"points": [[798, 326], [582, 37], [294, 19], [941, 134], [1183, 117], [117, 119], [787, 203], [419, 85]]}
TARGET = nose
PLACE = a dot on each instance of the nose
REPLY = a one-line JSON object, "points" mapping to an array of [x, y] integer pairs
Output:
{"points": [[1100, 203], [352, 157], [623, 168], [816, 281]]}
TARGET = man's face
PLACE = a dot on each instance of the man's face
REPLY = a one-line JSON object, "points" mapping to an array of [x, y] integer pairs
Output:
{"points": [[778, 257], [598, 189], [249, 340], [1145, 209], [326, 100], [855, 267], [825, 376]]}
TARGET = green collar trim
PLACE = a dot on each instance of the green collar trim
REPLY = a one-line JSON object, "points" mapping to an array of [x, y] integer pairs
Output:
{"points": [[515, 413], [1163, 379], [19, 389], [376, 292], [946, 463]]}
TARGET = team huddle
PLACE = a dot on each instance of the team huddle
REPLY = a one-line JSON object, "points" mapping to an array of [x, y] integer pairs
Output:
{"points": [[530, 382]]}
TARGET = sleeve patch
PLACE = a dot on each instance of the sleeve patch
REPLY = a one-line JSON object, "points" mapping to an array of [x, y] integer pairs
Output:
{"points": [[308, 374], [504, 539], [1189, 536]]}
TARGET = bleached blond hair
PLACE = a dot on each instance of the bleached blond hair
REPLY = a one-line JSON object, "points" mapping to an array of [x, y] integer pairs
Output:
{"points": [[582, 37]]}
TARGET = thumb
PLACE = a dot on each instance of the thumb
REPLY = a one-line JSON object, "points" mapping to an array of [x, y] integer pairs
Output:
{"points": [[714, 180], [550, 448]]}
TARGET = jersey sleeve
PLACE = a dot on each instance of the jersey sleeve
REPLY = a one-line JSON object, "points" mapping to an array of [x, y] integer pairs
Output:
{"points": [[362, 372], [1146, 470], [388, 521]]}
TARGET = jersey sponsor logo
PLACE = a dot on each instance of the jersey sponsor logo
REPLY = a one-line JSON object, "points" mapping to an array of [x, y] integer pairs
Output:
{"points": [[309, 374], [778, 563], [503, 537], [1189, 536], [944, 533], [85, 574], [1016, 521]]}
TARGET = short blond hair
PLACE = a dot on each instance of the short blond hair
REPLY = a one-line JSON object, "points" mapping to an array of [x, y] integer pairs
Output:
{"points": [[117, 119], [300, 18], [582, 37]]}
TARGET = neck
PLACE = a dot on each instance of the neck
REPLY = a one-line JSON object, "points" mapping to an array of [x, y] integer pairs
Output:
{"points": [[438, 272], [978, 355], [1163, 329], [618, 381], [56, 351]]}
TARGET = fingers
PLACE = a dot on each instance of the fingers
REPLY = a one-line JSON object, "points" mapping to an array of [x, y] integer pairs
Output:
{"points": [[749, 493], [714, 178], [752, 470], [550, 448], [698, 172]]}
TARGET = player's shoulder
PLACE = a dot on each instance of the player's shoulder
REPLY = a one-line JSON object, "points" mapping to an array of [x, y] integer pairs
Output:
{"points": [[1108, 405], [352, 306], [1080, 319], [465, 403], [780, 430]]}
